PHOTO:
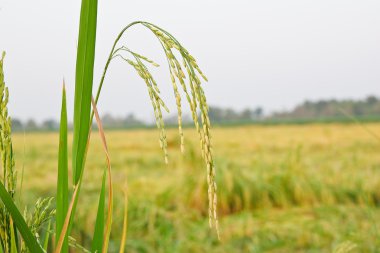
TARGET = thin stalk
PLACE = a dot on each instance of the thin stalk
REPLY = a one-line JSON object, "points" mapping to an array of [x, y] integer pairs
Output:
{"points": [[110, 191], [67, 221]]}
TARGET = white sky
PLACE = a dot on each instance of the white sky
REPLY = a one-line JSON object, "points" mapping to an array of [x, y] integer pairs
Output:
{"points": [[269, 53]]}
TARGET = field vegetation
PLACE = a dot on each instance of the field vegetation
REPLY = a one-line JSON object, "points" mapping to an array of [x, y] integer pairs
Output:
{"points": [[295, 188]]}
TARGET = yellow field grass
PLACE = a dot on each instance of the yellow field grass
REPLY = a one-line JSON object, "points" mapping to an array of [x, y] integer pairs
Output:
{"points": [[291, 188]]}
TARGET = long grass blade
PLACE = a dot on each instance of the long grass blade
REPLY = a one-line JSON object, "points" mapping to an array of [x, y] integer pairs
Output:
{"points": [[125, 225], [110, 191], [83, 84], [13, 239], [62, 184], [83, 92], [97, 241], [67, 221], [29, 239], [47, 236]]}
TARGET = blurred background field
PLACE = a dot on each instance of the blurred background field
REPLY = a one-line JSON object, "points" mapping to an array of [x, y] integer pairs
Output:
{"points": [[283, 188]]}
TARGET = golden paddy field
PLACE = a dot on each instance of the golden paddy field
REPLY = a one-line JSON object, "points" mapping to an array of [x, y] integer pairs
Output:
{"points": [[301, 188]]}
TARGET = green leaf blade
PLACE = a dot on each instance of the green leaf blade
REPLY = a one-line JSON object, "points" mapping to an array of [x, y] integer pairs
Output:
{"points": [[83, 84], [62, 182], [13, 240], [29, 239], [47, 236]]}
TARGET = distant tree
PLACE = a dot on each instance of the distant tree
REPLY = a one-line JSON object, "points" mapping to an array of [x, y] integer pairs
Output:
{"points": [[17, 125], [333, 108], [358, 109], [258, 113], [371, 100], [230, 115], [31, 125], [216, 114], [50, 124], [247, 114], [226, 115], [132, 121], [108, 120]]}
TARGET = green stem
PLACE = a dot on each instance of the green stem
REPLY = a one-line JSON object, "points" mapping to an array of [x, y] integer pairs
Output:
{"points": [[109, 61]]}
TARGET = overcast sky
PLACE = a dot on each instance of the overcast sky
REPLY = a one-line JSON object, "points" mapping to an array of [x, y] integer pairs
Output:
{"points": [[269, 53]]}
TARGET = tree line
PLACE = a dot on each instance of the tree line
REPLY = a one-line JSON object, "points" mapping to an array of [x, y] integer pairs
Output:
{"points": [[310, 111], [333, 109]]}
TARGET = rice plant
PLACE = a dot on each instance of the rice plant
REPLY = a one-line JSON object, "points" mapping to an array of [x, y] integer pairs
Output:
{"points": [[9, 175], [192, 90], [11, 218], [185, 75]]}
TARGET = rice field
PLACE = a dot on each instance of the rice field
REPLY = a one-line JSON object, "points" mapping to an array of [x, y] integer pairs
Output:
{"points": [[295, 188]]}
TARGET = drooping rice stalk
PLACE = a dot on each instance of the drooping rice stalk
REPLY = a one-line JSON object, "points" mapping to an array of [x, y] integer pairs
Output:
{"points": [[191, 87]]}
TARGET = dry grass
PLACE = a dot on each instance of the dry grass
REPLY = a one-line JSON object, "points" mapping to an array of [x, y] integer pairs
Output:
{"points": [[285, 188]]}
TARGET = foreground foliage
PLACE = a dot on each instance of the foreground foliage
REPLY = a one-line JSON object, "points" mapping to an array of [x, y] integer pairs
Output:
{"points": [[13, 224]]}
